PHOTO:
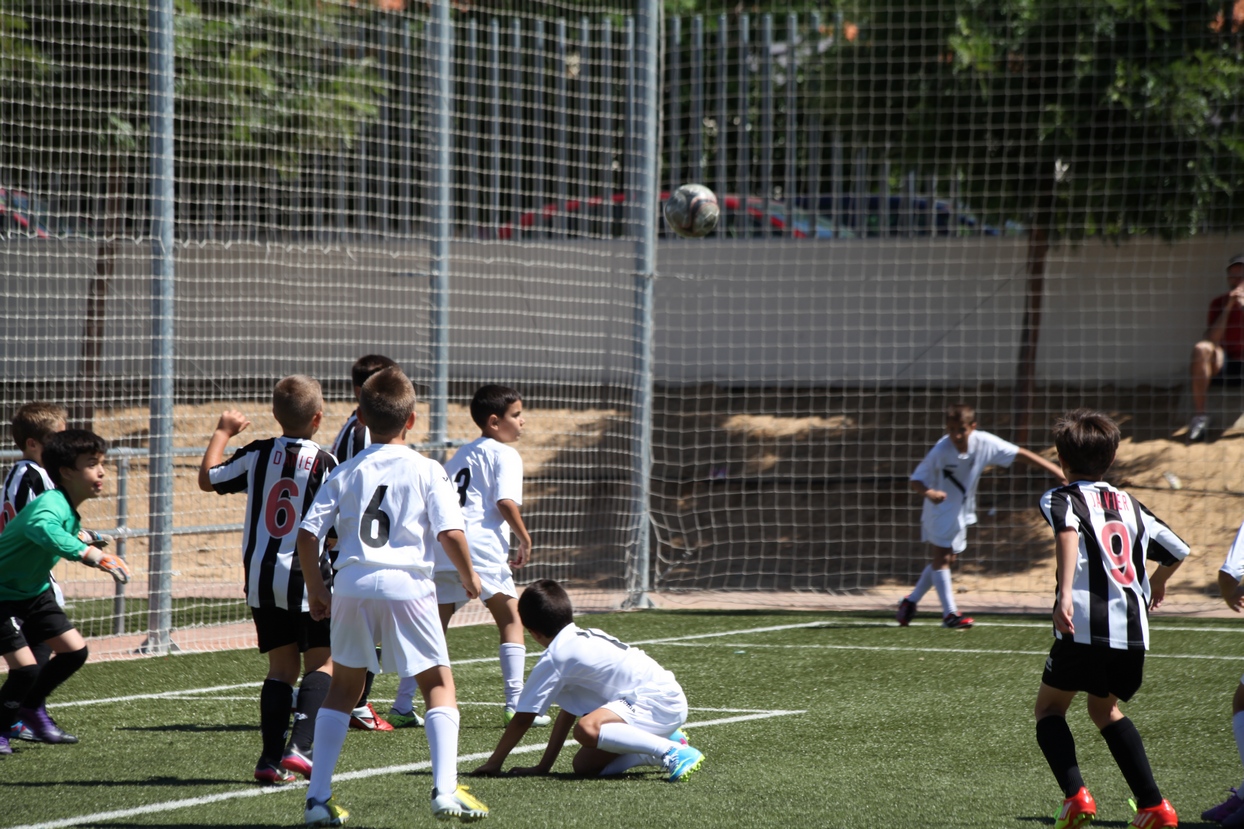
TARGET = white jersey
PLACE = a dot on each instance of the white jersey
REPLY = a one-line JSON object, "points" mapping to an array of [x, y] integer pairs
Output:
{"points": [[485, 472], [281, 476], [25, 482], [1233, 565], [1110, 590], [583, 669], [389, 504], [945, 469]]}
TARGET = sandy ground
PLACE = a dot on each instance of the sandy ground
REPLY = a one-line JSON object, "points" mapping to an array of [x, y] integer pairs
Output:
{"points": [[761, 500]]}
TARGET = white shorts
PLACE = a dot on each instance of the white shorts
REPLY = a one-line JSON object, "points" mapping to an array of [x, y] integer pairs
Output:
{"points": [[407, 630], [953, 538], [449, 589], [658, 712]]}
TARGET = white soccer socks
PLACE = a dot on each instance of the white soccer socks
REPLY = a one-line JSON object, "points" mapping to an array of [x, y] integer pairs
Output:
{"points": [[941, 580], [407, 687], [923, 584], [442, 727], [513, 660], [330, 735], [620, 738]]}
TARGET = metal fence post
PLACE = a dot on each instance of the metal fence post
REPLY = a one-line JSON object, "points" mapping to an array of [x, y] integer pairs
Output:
{"points": [[645, 51], [160, 470], [441, 69]]}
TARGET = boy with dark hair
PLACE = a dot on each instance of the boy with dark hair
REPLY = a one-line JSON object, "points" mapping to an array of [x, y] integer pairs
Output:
{"points": [[630, 710], [44, 532], [1101, 624], [280, 477], [353, 438], [488, 474], [32, 424], [1230, 813], [946, 479], [387, 504]]}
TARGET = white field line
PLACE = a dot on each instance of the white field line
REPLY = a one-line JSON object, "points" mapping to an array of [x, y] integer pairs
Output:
{"points": [[171, 805], [473, 661], [909, 649]]}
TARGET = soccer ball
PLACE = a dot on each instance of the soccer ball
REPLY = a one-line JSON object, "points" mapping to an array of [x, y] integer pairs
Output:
{"points": [[692, 211]]}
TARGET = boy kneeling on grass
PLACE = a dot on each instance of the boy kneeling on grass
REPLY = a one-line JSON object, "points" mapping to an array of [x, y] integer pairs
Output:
{"points": [[629, 708], [43, 533]]}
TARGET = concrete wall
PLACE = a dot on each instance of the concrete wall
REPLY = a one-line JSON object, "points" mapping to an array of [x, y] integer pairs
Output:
{"points": [[877, 312]]}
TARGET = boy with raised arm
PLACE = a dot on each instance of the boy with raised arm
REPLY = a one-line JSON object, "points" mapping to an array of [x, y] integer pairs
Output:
{"points": [[280, 476], [387, 503], [946, 479], [630, 710], [1101, 617], [43, 533]]}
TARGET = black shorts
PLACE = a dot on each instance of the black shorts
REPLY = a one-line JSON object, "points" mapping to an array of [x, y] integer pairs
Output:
{"points": [[278, 627], [1095, 669], [31, 621], [1232, 373]]}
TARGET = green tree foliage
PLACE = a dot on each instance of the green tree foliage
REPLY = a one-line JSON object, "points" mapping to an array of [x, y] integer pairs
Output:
{"points": [[1093, 117]]}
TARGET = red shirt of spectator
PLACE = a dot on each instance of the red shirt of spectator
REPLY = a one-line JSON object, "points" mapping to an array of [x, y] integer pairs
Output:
{"points": [[1233, 335]]}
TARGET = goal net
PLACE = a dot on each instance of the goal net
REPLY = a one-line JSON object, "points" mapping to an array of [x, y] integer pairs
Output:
{"points": [[919, 207]]}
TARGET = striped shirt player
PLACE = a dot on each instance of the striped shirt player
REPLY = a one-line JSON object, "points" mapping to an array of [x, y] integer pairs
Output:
{"points": [[282, 476], [26, 481], [1110, 590], [353, 438]]}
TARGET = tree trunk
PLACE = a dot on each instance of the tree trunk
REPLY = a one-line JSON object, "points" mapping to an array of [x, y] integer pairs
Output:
{"points": [[1034, 290], [83, 410]]}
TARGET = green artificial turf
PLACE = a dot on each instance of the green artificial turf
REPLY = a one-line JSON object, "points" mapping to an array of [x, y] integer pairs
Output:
{"points": [[883, 727]]}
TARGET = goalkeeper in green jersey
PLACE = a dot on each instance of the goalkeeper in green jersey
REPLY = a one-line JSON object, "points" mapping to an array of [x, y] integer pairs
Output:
{"points": [[43, 533]]}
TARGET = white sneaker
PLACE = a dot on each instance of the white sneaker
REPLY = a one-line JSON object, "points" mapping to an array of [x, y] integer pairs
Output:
{"points": [[324, 813], [460, 804], [541, 720], [1196, 429]]}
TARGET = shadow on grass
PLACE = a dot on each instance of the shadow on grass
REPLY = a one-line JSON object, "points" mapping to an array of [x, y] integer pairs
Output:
{"points": [[191, 728], [113, 783]]}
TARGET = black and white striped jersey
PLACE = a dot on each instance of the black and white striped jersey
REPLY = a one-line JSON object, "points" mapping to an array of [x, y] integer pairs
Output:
{"points": [[353, 438], [25, 482], [1110, 590], [281, 477]]}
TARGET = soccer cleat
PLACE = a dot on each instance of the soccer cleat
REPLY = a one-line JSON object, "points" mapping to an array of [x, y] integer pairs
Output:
{"points": [[365, 718], [679, 736], [906, 610], [19, 731], [681, 761], [5, 748], [43, 727], [954, 621], [324, 813], [1235, 820], [1161, 816], [297, 762], [540, 721], [272, 774], [399, 720], [1197, 427], [460, 804], [1224, 810], [1077, 810]]}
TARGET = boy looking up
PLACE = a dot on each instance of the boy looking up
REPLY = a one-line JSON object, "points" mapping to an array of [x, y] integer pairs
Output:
{"points": [[488, 474], [947, 479], [280, 476], [43, 533], [630, 709], [352, 439], [387, 503], [1101, 621]]}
